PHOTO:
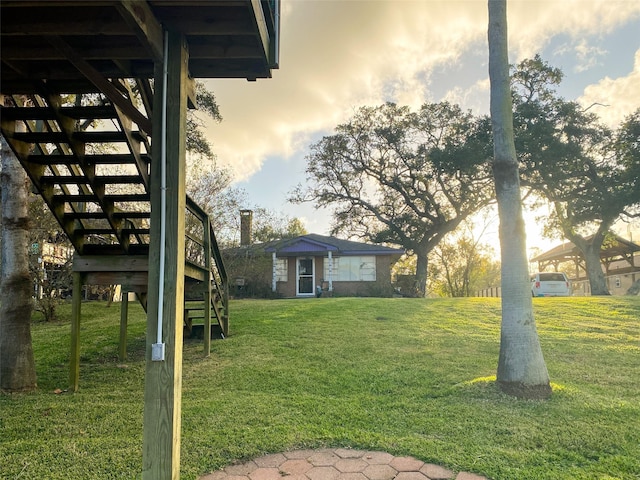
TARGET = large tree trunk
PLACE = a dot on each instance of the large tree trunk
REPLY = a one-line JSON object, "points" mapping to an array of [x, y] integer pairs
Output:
{"points": [[591, 252], [17, 366], [634, 289], [597, 278], [422, 263], [521, 368]]}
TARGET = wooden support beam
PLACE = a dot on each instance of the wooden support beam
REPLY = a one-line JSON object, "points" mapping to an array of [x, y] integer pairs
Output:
{"points": [[102, 83], [207, 291], [124, 317], [110, 263], [147, 28], [74, 363], [163, 379]]}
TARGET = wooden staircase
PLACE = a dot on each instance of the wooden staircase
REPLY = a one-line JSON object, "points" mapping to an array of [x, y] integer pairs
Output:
{"points": [[90, 162]]}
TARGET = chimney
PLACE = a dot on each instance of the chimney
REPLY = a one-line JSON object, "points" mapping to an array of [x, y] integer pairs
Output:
{"points": [[246, 222]]}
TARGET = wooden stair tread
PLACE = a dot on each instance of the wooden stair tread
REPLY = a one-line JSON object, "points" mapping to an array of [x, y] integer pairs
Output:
{"points": [[101, 179], [102, 215], [106, 231], [98, 159], [114, 249], [96, 112], [120, 197], [115, 136]]}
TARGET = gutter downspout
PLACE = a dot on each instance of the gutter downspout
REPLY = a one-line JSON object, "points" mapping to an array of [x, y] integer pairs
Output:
{"points": [[157, 350], [273, 272], [330, 271]]}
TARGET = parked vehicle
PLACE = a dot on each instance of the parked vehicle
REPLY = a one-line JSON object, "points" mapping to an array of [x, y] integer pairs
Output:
{"points": [[550, 284]]}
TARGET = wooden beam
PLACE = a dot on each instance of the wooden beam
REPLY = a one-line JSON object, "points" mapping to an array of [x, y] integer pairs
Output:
{"points": [[163, 379], [135, 281], [74, 362], [258, 14], [124, 317], [140, 18], [102, 83], [207, 291]]}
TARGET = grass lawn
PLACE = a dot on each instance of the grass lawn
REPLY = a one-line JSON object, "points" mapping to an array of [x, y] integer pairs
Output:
{"points": [[407, 376]]}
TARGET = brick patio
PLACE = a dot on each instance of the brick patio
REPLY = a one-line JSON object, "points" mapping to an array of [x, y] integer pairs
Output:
{"points": [[337, 464]]}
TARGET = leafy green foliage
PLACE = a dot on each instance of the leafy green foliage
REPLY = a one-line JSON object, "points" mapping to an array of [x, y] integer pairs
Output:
{"points": [[408, 376], [269, 226], [49, 259], [586, 171], [197, 143], [460, 266]]}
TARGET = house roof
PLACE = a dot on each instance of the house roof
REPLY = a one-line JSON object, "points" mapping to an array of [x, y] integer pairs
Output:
{"points": [[313, 244], [613, 248]]}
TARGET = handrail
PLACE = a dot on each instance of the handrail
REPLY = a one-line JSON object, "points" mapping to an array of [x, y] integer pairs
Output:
{"points": [[216, 253], [217, 268]]}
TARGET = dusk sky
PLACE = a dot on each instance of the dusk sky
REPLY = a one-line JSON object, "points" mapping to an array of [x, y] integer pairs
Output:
{"points": [[337, 55]]}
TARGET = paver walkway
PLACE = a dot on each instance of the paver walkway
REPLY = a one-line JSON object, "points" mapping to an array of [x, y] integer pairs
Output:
{"points": [[337, 464]]}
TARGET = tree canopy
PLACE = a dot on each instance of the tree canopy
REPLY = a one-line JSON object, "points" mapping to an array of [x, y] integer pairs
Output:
{"points": [[197, 142], [587, 172]]}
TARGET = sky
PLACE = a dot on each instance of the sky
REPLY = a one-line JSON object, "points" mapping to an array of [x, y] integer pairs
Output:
{"points": [[337, 55]]}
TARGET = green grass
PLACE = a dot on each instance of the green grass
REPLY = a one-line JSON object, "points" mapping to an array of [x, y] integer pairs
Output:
{"points": [[407, 376]]}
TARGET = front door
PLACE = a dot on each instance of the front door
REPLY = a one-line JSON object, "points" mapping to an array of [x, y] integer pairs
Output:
{"points": [[306, 277]]}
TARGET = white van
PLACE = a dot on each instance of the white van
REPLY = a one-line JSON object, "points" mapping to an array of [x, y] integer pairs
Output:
{"points": [[550, 284]]}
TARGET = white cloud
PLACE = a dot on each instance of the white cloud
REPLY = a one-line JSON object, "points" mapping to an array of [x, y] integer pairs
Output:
{"points": [[533, 23], [620, 95], [588, 56], [338, 54], [475, 98]]}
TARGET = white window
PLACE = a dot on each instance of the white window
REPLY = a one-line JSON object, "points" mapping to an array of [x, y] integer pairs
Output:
{"points": [[282, 269], [352, 269]]}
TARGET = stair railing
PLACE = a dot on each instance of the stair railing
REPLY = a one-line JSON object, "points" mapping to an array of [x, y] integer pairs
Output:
{"points": [[202, 249]]}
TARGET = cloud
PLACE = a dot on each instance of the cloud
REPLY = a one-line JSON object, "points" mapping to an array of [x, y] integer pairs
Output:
{"points": [[475, 98], [336, 55], [620, 95], [533, 24], [586, 56]]}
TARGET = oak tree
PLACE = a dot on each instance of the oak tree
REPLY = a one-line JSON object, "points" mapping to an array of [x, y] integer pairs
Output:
{"points": [[587, 172], [396, 176]]}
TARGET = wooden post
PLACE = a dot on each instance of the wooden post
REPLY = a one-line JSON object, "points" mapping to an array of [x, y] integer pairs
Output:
{"points": [[74, 361], [225, 315], [207, 290], [163, 379], [124, 313]]}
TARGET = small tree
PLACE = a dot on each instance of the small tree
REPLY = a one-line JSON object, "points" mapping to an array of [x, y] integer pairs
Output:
{"points": [[269, 226], [460, 266], [50, 259]]}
